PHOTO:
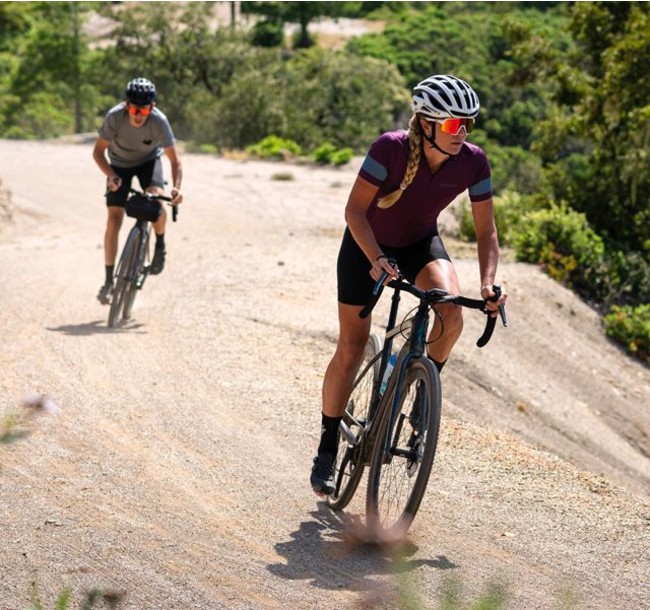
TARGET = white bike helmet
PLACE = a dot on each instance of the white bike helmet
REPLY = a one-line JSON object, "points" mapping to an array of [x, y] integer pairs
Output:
{"points": [[444, 96]]}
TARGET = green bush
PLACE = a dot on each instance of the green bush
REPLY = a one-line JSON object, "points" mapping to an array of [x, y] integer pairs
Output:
{"points": [[273, 147], [323, 154], [630, 326], [204, 149], [515, 169], [42, 116], [509, 210], [327, 154], [267, 33], [626, 278], [561, 240], [342, 156]]}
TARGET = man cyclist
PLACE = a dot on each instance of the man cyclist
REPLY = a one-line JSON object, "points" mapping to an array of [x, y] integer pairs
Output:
{"points": [[135, 134], [406, 180]]}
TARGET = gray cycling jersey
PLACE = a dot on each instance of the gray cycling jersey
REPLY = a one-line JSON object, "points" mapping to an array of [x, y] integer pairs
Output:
{"points": [[133, 146]]}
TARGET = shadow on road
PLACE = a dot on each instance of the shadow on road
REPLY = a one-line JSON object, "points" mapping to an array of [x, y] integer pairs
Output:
{"points": [[326, 551], [97, 327]]}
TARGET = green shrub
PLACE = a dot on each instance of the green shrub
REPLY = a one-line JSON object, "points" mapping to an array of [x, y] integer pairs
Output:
{"points": [[342, 156], [509, 210], [323, 154], [515, 169], [630, 326], [628, 276], [561, 240], [42, 116], [267, 33], [623, 278], [283, 176], [327, 154], [204, 149], [273, 147]]}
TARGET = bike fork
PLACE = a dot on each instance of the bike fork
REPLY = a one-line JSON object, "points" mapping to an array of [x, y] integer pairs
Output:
{"points": [[142, 270]]}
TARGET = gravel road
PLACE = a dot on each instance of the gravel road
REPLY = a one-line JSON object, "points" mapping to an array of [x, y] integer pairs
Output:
{"points": [[176, 470]]}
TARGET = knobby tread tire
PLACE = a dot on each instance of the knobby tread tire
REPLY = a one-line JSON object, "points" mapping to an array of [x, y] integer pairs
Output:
{"points": [[398, 477], [123, 275], [138, 270], [349, 460]]}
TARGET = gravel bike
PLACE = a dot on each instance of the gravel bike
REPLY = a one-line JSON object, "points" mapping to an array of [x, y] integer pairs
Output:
{"points": [[392, 419], [133, 267]]}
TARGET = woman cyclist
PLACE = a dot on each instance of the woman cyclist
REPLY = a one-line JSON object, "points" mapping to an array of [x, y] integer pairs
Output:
{"points": [[406, 180], [135, 134]]}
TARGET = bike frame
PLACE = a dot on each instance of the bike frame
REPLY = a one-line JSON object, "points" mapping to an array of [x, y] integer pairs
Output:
{"points": [[414, 348], [144, 227], [132, 279], [375, 435]]}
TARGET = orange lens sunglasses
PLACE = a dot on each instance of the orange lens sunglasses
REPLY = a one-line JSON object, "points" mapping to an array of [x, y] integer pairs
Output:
{"points": [[143, 110], [452, 126]]}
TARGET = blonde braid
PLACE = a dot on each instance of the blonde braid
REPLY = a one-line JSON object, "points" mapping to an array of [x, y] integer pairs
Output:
{"points": [[415, 148]]}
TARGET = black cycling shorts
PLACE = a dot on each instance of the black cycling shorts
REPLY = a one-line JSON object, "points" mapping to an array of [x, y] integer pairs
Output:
{"points": [[353, 268], [148, 174]]}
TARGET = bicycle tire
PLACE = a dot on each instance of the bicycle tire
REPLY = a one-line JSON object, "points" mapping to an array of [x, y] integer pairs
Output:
{"points": [[399, 476], [135, 283], [123, 275], [349, 465]]}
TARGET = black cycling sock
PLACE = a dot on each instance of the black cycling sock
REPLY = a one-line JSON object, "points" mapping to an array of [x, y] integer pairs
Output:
{"points": [[109, 273], [329, 436], [160, 240], [439, 365]]}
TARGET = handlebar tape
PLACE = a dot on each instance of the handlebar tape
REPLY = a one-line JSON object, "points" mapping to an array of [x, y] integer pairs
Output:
{"points": [[374, 297], [491, 322]]}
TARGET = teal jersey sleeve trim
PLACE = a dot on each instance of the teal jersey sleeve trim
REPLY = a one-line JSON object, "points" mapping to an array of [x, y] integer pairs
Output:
{"points": [[481, 189], [374, 169]]}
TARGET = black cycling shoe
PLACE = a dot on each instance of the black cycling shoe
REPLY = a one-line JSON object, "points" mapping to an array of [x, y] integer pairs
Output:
{"points": [[158, 262], [104, 294], [322, 474]]}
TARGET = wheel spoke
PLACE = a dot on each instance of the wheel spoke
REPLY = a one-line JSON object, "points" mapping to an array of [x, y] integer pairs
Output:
{"points": [[349, 464]]}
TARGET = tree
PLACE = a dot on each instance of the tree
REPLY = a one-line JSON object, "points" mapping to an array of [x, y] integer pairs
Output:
{"points": [[45, 87], [302, 13], [603, 126], [316, 96]]}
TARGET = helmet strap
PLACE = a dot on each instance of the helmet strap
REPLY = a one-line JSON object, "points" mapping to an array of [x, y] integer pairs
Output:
{"points": [[432, 141]]}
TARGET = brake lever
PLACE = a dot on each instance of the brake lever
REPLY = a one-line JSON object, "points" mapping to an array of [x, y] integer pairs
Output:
{"points": [[502, 308]]}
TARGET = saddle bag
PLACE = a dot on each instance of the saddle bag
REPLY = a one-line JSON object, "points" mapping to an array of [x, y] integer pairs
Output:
{"points": [[142, 208]]}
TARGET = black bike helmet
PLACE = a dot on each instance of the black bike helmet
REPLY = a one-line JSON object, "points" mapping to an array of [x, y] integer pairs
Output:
{"points": [[141, 92]]}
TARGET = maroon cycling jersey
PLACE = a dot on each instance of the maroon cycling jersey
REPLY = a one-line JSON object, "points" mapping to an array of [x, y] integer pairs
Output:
{"points": [[415, 215]]}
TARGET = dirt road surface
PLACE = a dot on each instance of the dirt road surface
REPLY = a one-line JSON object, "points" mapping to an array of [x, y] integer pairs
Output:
{"points": [[176, 470]]}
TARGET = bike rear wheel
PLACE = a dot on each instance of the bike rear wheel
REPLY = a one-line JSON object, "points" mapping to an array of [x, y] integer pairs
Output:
{"points": [[137, 277], [123, 275], [404, 451], [349, 465]]}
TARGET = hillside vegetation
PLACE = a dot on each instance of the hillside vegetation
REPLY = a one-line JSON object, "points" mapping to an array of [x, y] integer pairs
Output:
{"points": [[564, 89]]}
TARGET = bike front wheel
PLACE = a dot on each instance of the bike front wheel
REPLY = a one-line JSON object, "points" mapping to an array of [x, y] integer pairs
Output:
{"points": [[404, 450], [123, 275], [137, 277], [349, 465]]}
